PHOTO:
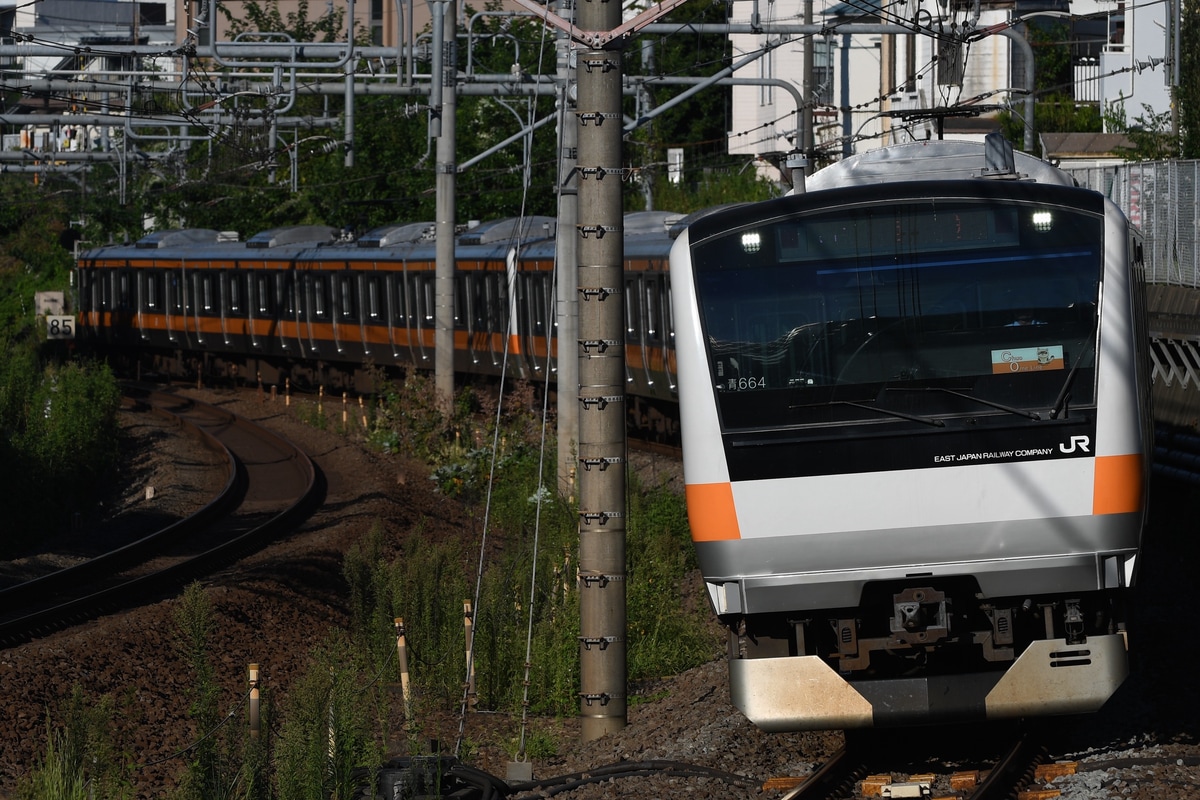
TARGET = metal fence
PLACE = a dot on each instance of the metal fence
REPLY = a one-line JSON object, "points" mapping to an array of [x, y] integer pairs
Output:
{"points": [[1160, 198]]}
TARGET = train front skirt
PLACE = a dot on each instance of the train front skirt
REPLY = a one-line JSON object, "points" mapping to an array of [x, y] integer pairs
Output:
{"points": [[1050, 677]]}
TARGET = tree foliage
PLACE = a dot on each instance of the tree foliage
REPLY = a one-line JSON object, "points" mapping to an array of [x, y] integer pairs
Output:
{"points": [[1187, 94], [1056, 109]]}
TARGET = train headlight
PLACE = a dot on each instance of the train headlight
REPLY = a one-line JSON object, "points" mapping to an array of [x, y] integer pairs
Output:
{"points": [[1042, 220], [752, 241]]}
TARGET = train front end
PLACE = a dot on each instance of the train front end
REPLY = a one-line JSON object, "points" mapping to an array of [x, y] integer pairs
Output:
{"points": [[915, 423]]}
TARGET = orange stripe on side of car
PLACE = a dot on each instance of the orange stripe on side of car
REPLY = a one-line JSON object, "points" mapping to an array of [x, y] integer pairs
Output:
{"points": [[1117, 487], [711, 512]]}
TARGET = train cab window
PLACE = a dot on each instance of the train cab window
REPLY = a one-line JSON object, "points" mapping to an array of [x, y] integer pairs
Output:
{"points": [[372, 286], [917, 307]]}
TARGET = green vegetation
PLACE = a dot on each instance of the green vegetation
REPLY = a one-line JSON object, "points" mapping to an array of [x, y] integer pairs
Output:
{"points": [[340, 715], [58, 426], [80, 761], [426, 582]]}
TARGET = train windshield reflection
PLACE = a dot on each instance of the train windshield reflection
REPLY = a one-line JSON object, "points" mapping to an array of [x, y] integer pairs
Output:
{"points": [[994, 302]]}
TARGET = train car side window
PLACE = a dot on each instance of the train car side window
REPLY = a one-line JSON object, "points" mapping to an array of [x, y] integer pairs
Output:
{"points": [[427, 300], [345, 288], [174, 292], [320, 301], [285, 293], [151, 297], [633, 311], [206, 292], [496, 303], [401, 283], [536, 285], [373, 310], [669, 312], [262, 294], [463, 289], [237, 291], [653, 306], [123, 291]]}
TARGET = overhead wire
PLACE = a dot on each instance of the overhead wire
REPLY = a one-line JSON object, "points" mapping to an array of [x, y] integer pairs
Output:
{"points": [[515, 242]]}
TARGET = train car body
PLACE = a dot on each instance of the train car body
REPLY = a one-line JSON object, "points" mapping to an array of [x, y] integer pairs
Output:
{"points": [[916, 436], [312, 306]]}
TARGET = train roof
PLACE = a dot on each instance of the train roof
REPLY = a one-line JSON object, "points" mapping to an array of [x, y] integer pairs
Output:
{"points": [[402, 233], [509, 231], [938, 160], [647, 233]]}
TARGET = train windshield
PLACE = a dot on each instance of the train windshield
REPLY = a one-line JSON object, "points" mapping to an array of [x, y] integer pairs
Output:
{"points": [[923, 308]]}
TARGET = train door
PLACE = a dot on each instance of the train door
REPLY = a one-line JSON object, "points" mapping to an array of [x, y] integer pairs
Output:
{"points": [[464, 307], [191, 323], [316, 308], [345, 311], [652, 330], [232, 307], [143, 302], [258, 307], [424, 318], [208, 295], [495, 306], [371, 301], [397, 309], [287, 310], [636, 369], [668, 346], [175, 318], [536, 305]]}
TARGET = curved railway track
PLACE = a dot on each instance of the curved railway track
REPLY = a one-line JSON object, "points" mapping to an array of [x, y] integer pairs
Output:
{"points": [[270, 487]]}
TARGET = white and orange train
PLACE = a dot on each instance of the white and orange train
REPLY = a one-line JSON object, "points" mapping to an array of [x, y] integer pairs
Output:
{"points": [[310, 305], [916, 436]]}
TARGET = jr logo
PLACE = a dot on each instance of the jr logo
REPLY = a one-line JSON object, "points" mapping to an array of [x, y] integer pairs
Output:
{"points": [[1081, 442]]}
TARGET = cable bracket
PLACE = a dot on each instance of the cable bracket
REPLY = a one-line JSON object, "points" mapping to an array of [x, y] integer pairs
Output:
{"points": [[602, 517], [603, 463]]}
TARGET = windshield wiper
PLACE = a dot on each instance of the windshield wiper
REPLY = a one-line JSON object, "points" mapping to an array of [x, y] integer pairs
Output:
{"points": [[1064, 394], [937, 423], [1000, 406]]}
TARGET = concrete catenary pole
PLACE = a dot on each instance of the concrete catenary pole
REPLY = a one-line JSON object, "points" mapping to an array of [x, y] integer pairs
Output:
{"points": [[602, 445], [566, 258], [442, 125]]}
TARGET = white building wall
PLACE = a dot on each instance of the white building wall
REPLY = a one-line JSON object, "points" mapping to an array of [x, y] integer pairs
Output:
{"points": [[1128, 74]]}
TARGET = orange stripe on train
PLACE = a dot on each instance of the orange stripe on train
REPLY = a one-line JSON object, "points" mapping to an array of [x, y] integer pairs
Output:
{"points": [[1117, 486], [711, 512]]}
